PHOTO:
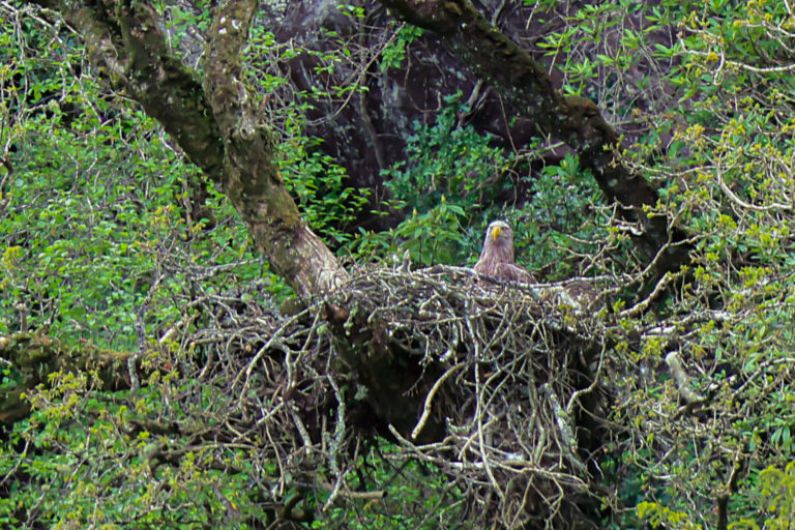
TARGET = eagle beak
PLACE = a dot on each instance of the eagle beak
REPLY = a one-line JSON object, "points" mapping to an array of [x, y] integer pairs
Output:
{"points": [[495, 232]]}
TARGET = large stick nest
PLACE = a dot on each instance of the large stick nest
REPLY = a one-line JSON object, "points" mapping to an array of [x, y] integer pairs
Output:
{"points": [[493, 385]]}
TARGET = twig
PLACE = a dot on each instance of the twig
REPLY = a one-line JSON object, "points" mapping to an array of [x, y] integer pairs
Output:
{"points": [[265, 347], [335, 445], [426, 410], [682, 379]]}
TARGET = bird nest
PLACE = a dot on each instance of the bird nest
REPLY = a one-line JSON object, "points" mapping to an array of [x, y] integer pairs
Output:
{"points": [[494, 385], [506, 384]]}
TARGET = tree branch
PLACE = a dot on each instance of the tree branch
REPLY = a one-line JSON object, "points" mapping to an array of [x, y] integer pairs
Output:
{"points": [[33, 357], [216, 124], [251, 178]]}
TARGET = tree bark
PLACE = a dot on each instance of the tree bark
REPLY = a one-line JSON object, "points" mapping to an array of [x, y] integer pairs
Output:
{"points": [[215, 124], [577, 121], [34, 357]]}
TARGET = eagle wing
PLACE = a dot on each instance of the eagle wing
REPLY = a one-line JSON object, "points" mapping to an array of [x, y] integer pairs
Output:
{"points": [[504, 271], [512, 273]]}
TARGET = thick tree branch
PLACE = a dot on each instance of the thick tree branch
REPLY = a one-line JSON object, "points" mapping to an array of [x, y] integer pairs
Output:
{"points": [[251, 178], [33, 357], [512, 71], [215, 124], [125, 43]]}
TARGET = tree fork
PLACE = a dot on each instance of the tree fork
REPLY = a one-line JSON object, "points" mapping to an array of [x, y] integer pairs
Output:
{"points": [[215, 124]]}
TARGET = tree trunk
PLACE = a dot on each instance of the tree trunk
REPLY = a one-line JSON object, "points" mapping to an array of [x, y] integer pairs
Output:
{"points": [[216, 125]]}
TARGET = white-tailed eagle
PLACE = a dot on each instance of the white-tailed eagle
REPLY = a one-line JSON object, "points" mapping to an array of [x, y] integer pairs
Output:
{"points": [[497, 258]]}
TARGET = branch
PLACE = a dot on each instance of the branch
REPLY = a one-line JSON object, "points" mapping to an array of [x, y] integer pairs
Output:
{"points": [[33, 357], [251, 178], [130, 50], [426, 409], [689, 396], [727, 490], [217, 124]]}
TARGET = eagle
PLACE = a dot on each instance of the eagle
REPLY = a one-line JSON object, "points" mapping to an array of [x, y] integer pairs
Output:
{"points": [[496, 259]]}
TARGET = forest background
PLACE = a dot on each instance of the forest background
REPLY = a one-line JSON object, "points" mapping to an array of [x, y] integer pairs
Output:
{"points": [[172, 358]]}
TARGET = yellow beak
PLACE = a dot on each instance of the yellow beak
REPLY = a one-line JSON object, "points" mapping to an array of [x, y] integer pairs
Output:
{"points": [[495, 232]]}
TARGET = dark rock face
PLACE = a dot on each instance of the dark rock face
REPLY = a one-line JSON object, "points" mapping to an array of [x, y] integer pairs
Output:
{"points": [[366, 132]]}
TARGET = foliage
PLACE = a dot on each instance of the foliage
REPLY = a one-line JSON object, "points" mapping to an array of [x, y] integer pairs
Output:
{"points": [[724, 177], [104, 227], [704, 93], [455, 182], [659, 516], [563, 220], [327, 203], [79, 446], [320, 185], [445, 159], [394, 54], [434, 236], [777, 493], [444, 184], [80, 248]]}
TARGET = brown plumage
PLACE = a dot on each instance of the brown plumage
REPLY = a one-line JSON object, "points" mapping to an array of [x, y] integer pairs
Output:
{"points": [[497, 259]]}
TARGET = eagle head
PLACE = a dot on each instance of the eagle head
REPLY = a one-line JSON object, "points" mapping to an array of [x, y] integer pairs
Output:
{"points": [[499, 228], [498, 245]]}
